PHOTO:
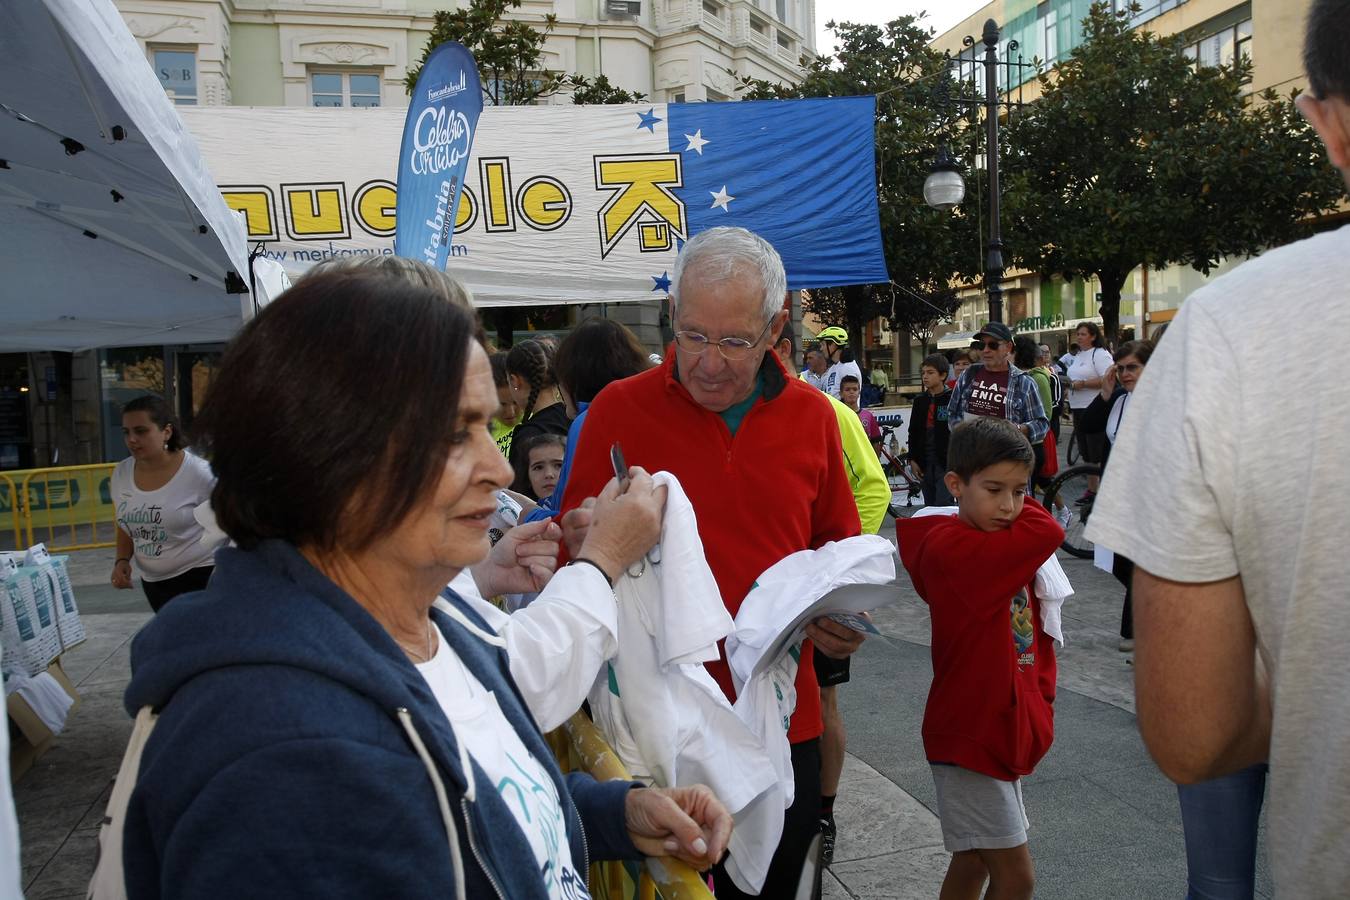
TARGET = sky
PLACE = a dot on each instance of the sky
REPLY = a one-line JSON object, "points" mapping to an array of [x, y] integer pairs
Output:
{"points": [[942, 14]]}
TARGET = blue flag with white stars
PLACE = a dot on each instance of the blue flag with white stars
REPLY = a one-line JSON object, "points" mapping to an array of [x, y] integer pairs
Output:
{"points": [[800, 173]]}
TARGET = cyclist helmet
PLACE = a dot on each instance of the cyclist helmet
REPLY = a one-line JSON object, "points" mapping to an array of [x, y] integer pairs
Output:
{"points": [[833, 333]]}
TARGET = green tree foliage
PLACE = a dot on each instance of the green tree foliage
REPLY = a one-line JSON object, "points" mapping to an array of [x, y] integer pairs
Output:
{"points": [[925, 249], [1135, 156], [507, 51], [599, 91]]}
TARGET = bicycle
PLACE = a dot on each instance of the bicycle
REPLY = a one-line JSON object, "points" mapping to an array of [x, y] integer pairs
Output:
{"points": [[1072, 486], [899, 471], [1071, 449]]}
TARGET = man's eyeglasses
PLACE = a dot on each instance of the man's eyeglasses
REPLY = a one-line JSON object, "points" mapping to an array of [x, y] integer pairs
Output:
{"points": [[731, 348], [987, 345]]}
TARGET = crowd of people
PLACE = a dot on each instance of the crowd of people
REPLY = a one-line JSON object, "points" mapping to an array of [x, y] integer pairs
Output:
{"points": [[331, 702]]}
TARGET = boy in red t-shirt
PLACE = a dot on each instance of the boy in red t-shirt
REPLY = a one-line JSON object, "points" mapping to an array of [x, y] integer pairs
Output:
{"points": [[990, 716]]}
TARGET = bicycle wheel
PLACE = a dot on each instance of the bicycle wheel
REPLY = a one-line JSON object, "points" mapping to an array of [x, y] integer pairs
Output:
{"points": [[1070, 490], [1071, 451]]}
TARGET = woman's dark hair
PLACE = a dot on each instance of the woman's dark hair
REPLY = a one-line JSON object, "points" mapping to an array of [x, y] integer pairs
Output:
{"points": [[937, 362], [1140, 350], [533, 361], [1324, 44], [1093, 330], [977, 444], [597, 352], [334, 410], [162, 415], [1025, 352], [498, 362]]}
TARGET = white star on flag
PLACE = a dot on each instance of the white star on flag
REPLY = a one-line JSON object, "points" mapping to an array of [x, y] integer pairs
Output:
{"points": [[721, 198], [696, 142]]}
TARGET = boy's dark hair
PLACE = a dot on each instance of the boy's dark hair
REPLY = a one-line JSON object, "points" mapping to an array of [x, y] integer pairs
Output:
{"points": [[161, 415], [1140, 350], [848, 379], [937, 362], [543, 440], [595, 353], [1324, 54], [977, 444], [1025, 351]]}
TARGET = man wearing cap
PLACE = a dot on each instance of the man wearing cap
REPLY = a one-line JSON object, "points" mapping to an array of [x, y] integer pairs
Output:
{"points": [[834, 344], [996, 388]]}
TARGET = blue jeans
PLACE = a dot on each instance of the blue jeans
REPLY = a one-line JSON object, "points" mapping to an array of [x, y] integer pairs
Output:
{"points": [[1219, 818]]}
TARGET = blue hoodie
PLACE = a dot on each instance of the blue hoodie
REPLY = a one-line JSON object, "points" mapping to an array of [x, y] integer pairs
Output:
{"points": [[298, 753]]}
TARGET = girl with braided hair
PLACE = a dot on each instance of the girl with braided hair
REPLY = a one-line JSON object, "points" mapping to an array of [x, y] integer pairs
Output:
{"points": [[533, 385]]}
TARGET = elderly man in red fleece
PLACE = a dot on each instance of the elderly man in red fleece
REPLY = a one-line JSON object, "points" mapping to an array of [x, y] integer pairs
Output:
{"points": [[756, 450]]}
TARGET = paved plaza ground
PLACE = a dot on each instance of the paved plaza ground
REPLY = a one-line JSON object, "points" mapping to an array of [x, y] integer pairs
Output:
{"points": [[1105, 823]]}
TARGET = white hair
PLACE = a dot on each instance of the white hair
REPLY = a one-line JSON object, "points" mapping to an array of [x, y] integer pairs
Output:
{"points": [[721, 252]]}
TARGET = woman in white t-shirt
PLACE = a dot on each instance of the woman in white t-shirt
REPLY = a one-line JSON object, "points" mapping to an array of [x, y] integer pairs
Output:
{"points": [[155, 492], [1086, 371]]}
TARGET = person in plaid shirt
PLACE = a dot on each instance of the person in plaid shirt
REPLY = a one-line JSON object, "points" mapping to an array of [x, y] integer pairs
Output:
{"points": [[996, 388]]}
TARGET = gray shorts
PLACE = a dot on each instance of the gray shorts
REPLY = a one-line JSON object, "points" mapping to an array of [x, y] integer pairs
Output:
{"points": [[977, 811]]}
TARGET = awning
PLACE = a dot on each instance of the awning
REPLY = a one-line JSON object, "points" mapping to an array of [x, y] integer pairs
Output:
{"points": [[957, 340], [112, 232]]}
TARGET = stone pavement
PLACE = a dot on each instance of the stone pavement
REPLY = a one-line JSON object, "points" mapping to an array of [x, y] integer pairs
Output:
{"points": [[1104, 821]]}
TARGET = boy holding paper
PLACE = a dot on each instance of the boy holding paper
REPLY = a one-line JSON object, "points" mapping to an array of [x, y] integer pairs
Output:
{"points": [[989, 717]]}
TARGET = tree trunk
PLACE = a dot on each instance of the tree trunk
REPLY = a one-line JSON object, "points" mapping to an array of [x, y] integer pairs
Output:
{"points": [[503, 321], [857, 304], [1113, 280]]}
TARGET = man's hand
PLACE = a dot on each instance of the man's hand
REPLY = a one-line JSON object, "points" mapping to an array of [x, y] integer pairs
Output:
{"points": [[835, 640], [522, 562], [688, 823]]}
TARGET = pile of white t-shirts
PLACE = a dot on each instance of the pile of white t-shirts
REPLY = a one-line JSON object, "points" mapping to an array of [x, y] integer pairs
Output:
{"points": [[662, 712], [1052, 585], [765, 696]]}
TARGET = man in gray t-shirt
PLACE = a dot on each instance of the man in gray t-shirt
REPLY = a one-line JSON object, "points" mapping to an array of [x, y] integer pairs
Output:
{"points": [[1238, 530]]}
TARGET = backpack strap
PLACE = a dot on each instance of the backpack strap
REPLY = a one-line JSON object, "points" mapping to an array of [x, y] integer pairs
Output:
{"points": [[109, 880]]}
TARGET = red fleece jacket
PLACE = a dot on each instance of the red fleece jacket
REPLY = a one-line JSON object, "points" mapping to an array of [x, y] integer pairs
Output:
{"points": [[990, 708], [777, 487]]}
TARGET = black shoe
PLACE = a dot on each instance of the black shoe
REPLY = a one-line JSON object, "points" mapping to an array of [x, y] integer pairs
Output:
{"points": [[827, 839]]}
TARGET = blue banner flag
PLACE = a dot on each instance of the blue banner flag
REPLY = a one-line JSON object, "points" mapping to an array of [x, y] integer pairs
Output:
{"points": [[437, 136], [800, 173]]}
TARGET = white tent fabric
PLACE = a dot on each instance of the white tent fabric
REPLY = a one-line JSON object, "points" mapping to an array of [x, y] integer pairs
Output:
{"points": [[112, 232]]}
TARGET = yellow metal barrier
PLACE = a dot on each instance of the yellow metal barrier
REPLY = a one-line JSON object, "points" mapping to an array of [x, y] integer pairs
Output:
{"points": [[579, 745], [8, 496], [67, 508]]}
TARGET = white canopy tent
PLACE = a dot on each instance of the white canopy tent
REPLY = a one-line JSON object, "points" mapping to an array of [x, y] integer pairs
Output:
{"points": [[112, 232]]}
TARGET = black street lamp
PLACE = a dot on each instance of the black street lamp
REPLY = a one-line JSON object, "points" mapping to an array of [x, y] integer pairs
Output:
{"points": [[945, 182]]}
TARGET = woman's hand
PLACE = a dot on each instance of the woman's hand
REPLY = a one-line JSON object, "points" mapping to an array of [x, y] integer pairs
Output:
{"points": [[522, 562], [1109, 382], [624, 526], [688, 823], [121, 574]]}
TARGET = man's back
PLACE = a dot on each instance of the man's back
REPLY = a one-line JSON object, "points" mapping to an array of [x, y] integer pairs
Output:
{"points": [[1270, 504]]}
